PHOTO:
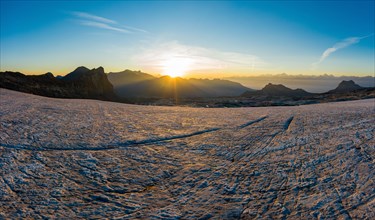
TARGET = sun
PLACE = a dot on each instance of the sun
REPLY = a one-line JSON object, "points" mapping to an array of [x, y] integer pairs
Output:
{"points": [[176, 66]]}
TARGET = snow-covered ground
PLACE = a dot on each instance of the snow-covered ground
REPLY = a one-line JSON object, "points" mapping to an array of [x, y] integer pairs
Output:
{"points": [[93, 159]]}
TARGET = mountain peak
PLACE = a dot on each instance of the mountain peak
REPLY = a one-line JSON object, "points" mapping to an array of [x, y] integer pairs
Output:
{"points": [[100, 68], [127, 77], [81, 69], [77, 73], [275, 87], [347, 86], [348, 83], [49, 75], [281, 90]]}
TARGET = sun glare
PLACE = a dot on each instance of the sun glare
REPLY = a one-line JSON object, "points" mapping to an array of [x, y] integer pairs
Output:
{"points": [[176, 67]]}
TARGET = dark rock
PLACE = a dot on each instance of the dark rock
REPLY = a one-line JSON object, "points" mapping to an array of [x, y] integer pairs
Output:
{"points": [[346, 86], [206, 217], [81, 83], [203, 185], [76, 74], [100, 198]]}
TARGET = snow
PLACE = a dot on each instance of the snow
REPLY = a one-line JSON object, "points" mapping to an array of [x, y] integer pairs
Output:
{"points": [[69, 158]]}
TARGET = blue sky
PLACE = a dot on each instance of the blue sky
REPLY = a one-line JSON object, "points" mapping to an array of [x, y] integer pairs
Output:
{"points": [[204, 39]]}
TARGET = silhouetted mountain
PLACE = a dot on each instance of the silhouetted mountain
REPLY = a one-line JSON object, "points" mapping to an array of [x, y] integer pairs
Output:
{"points": [[132, 84], [128, 77], [36, 84], [91, 84], [278, 90], [141, 88], [346, 86], [76, 74]]}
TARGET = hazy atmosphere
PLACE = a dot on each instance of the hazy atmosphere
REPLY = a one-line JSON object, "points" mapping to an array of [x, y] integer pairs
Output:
{"points": [[189, 38]]}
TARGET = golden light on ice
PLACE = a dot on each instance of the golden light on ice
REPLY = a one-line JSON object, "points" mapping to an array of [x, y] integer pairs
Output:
{"points": [[176, 67]]}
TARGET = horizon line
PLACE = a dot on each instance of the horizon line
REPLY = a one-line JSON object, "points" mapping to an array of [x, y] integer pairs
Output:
{"points": [[194, 75]]}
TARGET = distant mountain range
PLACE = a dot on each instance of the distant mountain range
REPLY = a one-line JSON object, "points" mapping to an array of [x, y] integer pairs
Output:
{"points": [[138, 87], [310, 83], [283, 91], [272, 90], [135, 84]]}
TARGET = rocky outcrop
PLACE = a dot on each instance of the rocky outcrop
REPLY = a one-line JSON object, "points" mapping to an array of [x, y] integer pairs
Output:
{"points": [[90, 83], [76, 74], [81, 83], [346, 86]]}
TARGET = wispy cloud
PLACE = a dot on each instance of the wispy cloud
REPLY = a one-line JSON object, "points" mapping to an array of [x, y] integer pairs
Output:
{"points": [[103, 26], [340, 45], [134, 29], [197, 58], [92, 20], [92, 17]]}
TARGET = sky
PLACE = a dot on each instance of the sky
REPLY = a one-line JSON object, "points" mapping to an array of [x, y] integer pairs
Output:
{"points": [[205, 39]]}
